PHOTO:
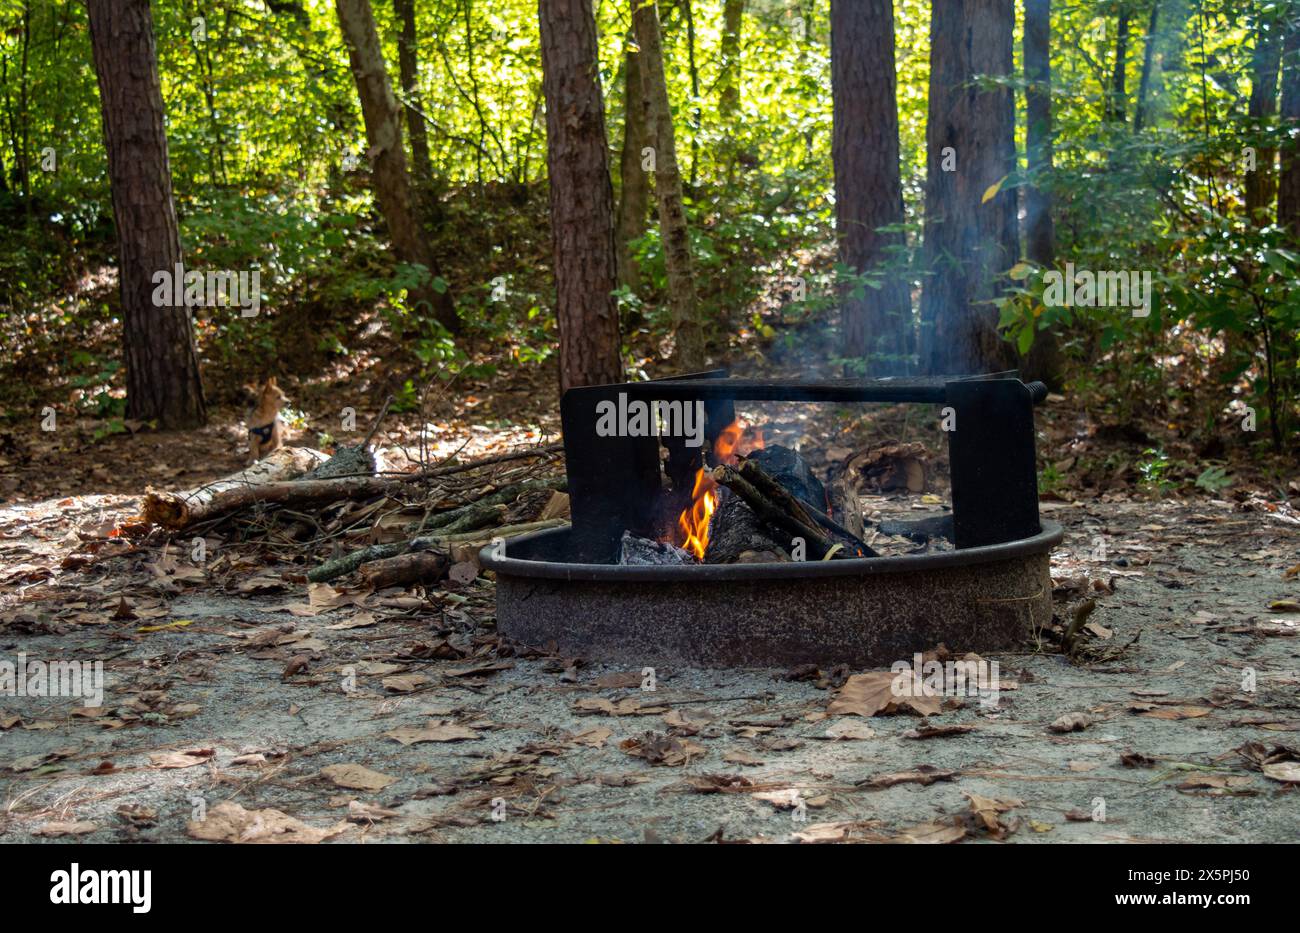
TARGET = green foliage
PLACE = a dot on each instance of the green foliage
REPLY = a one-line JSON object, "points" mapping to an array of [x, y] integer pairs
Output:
{"points": [[269, 166]]}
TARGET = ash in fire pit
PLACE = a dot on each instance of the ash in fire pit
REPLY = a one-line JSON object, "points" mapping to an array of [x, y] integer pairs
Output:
{"points": [[642, 552]]}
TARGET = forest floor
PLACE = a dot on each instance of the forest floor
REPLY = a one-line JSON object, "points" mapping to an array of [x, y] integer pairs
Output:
{"points": [[444, 732]]}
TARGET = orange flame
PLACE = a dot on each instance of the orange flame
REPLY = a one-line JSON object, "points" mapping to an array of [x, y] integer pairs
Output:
{"points": [[693, 523]]}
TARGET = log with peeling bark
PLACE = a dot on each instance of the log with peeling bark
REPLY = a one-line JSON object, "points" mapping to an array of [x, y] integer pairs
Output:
{"points": [[263, 484], [178, 509], [181, 510], [413, 567]]}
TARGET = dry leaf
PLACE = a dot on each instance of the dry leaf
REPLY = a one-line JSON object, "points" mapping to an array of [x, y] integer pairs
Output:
{"points": [[434, 731], [923, 775], [937, 732], [405, 683], [849, 730], [1173, 713], [1286, 771], [359, 812], [356, 777], [1071, 722], [873, 692], [65, 828], [185, 759], [986, 810], [229, 822], [785, 799], [659, 749], [932, 834], [595, 736]]}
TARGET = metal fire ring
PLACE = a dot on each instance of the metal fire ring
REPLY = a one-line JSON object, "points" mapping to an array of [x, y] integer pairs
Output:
{"points": [[861, 612]]}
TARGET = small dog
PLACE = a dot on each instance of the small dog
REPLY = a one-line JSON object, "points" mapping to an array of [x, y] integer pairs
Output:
{"points": [[265, 429]]}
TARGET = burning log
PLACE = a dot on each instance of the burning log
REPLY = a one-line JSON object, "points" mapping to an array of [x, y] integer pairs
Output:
{"points": [[792, 522], [777, 492], [736, 536], [791, 473]]}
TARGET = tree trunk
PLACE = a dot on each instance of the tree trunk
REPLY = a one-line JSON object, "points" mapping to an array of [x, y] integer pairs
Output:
{"points": [[1288, 187], [389, 178], [1265, 59], [162, 367], [969, 241], [634, 197], [1117, 102], [733, 19], [582, 200], [1043, 361], [409, 71], [1148, 59], [868, 192], [689, 354]]}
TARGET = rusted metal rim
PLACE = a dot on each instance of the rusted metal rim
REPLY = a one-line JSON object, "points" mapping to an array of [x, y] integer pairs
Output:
{"points": [[532, 555]]}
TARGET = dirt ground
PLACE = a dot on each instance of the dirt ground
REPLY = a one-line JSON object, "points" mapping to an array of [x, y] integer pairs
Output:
{"points": [[239, 706]]}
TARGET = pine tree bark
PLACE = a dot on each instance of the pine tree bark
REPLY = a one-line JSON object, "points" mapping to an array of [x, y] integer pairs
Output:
{"points": [[409, 72], [1043, 362], [634, 195], [1288, 186], [689, 354], [1265, 60], [969, 242], [389, 178], [582, 199], [868, 191], [162, 367]]}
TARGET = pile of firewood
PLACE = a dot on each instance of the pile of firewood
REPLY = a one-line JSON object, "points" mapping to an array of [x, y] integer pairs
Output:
{"points": [[387, 528]]}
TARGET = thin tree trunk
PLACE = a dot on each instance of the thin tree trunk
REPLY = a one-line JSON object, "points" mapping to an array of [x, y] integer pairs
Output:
{"points": [[868, 192], [733, 20], [582, 200], [689, 12], [24, 153], [1117, 104], [409, 71], [1265, 59], [634, 196], [1043, 362], [970, 242], [162, 366], [389, 178], [690, 351], [1148, 59], [1288, 187]]}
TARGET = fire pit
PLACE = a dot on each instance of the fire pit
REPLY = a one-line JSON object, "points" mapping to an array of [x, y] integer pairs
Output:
{"points": [[566, 588]]}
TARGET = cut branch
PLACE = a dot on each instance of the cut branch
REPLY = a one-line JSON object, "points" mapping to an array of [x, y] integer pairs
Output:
{"points": [[796, 525]]}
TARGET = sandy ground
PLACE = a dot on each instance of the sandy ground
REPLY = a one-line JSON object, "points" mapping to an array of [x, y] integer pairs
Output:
{"points": [[271, 693]]}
